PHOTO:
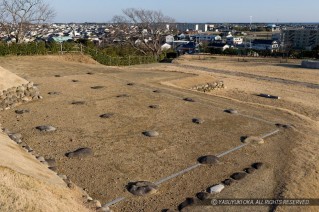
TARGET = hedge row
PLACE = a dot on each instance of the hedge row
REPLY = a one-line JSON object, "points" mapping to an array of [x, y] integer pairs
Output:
{"points": [[35, 48], [42, 48], [105, 59]]}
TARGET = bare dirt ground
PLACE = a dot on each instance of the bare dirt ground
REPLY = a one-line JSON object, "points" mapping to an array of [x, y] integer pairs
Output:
{"points": [[122, 154]]}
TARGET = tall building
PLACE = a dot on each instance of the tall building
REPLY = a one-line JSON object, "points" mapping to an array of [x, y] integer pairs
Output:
{"points": [[300, 38], [183, 27]]}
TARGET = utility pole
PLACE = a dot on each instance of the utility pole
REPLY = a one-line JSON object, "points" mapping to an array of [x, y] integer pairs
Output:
{"points": [[251, 20]]}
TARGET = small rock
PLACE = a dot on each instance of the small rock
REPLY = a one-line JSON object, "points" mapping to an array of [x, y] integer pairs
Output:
{"points": [[54, 93], [89, 73], [78, 103], [208, 159], [89, 198], [249, 170], [34, 153], [75, 80], [238, 175], [23, 144], [257, 165], [51, 162], [28, 148], [26, 99], [6, 131], [254, 140], [122, 95], [130, 84], [189, 99], [97, 203], [45, 163], [97, 87], [269, 96], [71, 185], [150, 133], [168, 210], [21, 111], [142, 188], [197, 120], [285, 126], [40, 158], [19, 141], [202, 195], [156, 91], [53, 169], [231, 111], [46, 128], [81, 152], [15, 137], [216, 189], [30, 85], [228, 182], [57, 75], [106, 115], [104, 209], [186, 203], [63, 177], [154, 106]]}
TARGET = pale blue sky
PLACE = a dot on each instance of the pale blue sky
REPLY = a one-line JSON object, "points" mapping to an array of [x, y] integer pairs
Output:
{"points": [[192, 10]]}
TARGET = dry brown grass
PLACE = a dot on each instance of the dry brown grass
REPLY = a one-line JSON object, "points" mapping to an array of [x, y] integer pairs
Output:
{"points": [[26, 194]]}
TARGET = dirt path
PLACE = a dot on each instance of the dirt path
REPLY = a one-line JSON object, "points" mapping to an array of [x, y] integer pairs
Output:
{"points": [[254, 76]]}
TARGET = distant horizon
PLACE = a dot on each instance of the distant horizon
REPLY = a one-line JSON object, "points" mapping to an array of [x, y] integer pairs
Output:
{"points": [[197, 22], [207, 11]]}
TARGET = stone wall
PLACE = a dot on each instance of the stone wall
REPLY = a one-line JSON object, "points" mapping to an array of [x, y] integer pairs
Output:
{"points": [[14, 96], [310, 64], [209, 86]]}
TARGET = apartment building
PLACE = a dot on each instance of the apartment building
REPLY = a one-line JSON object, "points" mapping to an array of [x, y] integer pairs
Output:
{"points": [[300, 38]]}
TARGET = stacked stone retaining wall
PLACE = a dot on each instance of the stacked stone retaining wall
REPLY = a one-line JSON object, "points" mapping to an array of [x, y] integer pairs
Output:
{"points": [[14, 96], [208, 87]]}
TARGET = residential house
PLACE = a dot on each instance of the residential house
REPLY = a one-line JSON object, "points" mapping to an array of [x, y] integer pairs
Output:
{"points": [[219, 46], [260, 44], [189, 48], [169, 39], [60, 39], [166, 46], [203, 37], [231, 40]]}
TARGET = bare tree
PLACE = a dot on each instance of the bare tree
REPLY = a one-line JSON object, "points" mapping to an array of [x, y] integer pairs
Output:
{"points": [[142, 29], [17, 16]]}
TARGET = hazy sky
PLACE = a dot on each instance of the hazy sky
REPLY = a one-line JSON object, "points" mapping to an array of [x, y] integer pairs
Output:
{"points": [[191, 10]]}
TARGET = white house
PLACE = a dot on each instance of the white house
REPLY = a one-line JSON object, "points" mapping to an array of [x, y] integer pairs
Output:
{"points": [[169, 39], [234, 40], [166, 46], [203, 37]]}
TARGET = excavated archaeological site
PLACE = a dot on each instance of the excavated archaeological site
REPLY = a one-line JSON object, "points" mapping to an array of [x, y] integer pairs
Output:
{"points": [[80, 136]]}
